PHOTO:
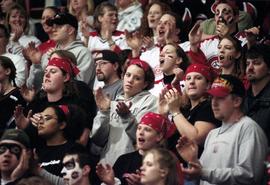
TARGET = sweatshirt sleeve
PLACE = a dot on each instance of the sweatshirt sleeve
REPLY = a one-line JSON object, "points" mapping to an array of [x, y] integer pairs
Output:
{"points": [[101, 128], [51, 178]]}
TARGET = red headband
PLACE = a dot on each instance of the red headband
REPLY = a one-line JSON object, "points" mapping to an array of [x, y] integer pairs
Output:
{"points": [[202, 69], [144, 65], [159, 123], [65, 65], [65, 109]]}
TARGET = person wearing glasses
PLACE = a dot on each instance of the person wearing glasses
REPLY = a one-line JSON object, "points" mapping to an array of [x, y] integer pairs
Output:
{"points": [[108, 71], [56, 130]]}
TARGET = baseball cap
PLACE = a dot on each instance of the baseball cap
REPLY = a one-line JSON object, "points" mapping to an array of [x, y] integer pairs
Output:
{"points": [[63, 18], [225, 85], [16, 135], [107, 55]]}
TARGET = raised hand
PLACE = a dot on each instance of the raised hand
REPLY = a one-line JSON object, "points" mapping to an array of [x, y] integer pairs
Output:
{"points": [[195, 34], [27, 93], [162, 103], [32, 53], [133, 178], [188, 149], [173, 99], [122, 108], [22, 167], [179, 73], [148, 42], [134, 40], [21, 121], [17, 33], [105, 173], [103, 101], [222, 28], [193, 171]]}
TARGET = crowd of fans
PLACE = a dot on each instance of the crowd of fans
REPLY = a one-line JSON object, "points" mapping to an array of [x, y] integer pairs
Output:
{"points": [[135, 92]]}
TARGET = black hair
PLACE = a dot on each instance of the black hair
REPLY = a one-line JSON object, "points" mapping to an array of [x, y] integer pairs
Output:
{"points": [[82, 153], [7, 63], [259, 50], [75, 120]]}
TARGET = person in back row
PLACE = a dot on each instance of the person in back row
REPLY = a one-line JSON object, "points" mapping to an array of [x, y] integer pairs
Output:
{"points": [[65, 28]]}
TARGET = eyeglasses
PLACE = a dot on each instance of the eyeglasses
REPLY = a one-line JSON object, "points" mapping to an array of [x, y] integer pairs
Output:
{"points": [[47, 118], [13, 148], [101, 63]]}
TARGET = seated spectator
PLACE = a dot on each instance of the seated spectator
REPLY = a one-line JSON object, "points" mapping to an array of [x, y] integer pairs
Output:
{"points": [[18, 61], [152, 132], [106, 36], [65, 28], [60, 87], [150, 20], [15, 154], [129, 15], [196, 119], [173, 64], [10, 95], [76, 161], [57, 129], [116, 122], [47, 14], [18, 26], [209, 27], [233, 153], [108, 71], [83, 11], [160, 166], [257, 102]]}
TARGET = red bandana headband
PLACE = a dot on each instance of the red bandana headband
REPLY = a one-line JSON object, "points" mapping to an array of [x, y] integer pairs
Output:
{"points": [[65, 109], [159, 123], [202, 69], [144, 65], [65, 65]]}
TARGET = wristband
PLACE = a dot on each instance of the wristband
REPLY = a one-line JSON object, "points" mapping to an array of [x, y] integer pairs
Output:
{"points": [[175, 114]]}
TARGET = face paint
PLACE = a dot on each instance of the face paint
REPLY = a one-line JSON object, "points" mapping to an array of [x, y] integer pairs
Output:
{"points": [[72, 172], [13, 148]]}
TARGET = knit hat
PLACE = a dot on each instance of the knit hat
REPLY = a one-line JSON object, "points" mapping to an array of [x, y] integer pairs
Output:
{"points": [[159, 123], [107, 55], [232, 3], [225, 85], [63, 18], [202, 69], [16, 135]]}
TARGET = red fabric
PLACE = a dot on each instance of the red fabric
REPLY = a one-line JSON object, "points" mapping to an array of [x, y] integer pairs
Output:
{"points": [[64, 108], [65, 65], [45, 46], [159, 123], [204, 70], [144, 65]]}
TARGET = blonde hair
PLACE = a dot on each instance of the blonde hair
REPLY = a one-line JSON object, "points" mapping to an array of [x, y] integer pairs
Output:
{"points": [[90, 7]]}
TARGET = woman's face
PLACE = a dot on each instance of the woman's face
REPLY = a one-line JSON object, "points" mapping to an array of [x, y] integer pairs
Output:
{"points": [[168, 59], [147, 137], [47, 14], [133, 81], [48, 125], [109, 19], [78, 4], [195, 85], [151, 173], [16, 19], [154, 15], [53, 79], [227, 53]]}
